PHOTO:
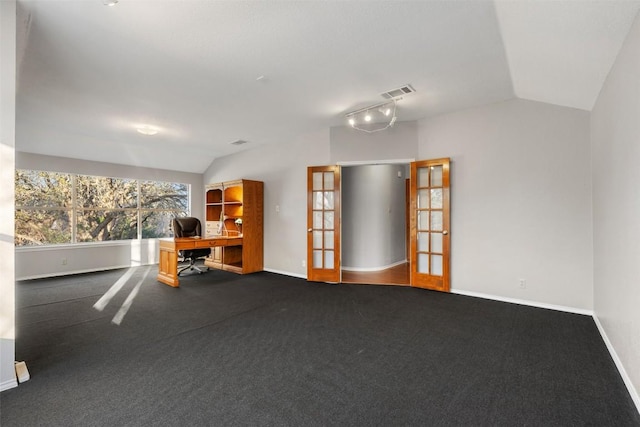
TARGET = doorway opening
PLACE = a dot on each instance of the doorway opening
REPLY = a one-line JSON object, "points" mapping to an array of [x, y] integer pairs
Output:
{"points": [[398, 275], [428, 205], [375, 224]]}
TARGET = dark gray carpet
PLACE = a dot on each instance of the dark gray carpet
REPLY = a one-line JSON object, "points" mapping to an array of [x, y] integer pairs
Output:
{"points": [[266, 349]]}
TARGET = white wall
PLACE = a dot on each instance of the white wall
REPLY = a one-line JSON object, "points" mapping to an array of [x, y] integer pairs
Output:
{"points": [[351, 145], [615, 138], [373, 216], [7, 159], [520, 200], [521, 196], [34, 262], [283, 169]]}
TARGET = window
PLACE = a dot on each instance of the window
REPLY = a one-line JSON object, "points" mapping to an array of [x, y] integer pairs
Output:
{"points": [[43, 208], [53, 208]]}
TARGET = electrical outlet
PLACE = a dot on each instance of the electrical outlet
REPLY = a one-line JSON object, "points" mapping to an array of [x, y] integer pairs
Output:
{"points": [[64, 261], [522, 283], [304, 263]]}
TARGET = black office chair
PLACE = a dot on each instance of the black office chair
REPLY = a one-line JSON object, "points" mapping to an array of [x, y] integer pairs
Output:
{"points": [[189, 227]]}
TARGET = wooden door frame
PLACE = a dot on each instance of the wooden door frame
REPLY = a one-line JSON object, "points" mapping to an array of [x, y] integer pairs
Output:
{"points": [[407, 218], [416, 279], [422, 280], [325, 275]]}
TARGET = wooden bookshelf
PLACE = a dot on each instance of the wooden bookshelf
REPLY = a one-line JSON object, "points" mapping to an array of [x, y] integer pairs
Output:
{"points": [[228, 203]]}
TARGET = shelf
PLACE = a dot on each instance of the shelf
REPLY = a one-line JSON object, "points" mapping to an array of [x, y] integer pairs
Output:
{"points": [[214, 196], [229, 201], [213, 212], [233, 194], [233, 211]]}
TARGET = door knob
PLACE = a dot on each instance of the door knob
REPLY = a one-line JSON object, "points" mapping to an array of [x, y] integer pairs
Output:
{"points": [[445, 232], [310, 230]]}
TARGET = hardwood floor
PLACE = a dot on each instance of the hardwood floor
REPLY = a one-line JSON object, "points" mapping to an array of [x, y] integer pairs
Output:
{"points": [[398, 275]]}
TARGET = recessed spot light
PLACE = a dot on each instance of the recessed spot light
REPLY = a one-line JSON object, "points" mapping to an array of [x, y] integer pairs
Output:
{"points": [[147, 130], [109, 2]]}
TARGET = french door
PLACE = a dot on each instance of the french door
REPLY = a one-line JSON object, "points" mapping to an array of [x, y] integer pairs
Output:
{"points": [[323, 224], [428, 224]]}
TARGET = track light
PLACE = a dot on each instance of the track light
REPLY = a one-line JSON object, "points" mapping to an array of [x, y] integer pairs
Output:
{"points": [[374, 118], [385, 110]]}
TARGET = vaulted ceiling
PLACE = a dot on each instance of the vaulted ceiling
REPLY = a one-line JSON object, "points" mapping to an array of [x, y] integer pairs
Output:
{"points": [[207, 73]]}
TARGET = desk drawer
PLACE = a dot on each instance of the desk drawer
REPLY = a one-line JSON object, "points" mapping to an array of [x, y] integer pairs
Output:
{"points": [[217, 242], [208, 243]]}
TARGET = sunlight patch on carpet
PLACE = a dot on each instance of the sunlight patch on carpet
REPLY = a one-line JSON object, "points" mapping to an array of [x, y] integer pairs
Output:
{"points": [[113, 290]]}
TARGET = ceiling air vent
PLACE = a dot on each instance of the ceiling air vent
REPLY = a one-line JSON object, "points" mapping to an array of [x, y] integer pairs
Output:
{"points": [[239, 142], [401, 91]]}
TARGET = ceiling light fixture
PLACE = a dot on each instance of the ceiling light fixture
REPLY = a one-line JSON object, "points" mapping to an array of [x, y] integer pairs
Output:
{"points": [[147, 130], [109, 2], [386, 110], [373, 118]]}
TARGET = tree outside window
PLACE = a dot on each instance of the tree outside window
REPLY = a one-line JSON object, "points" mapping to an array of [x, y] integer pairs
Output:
{"points": [[54, 208]]}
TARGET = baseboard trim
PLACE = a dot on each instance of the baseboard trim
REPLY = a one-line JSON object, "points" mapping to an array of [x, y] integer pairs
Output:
{"points": [[384, 267], [480, 295], [9, 384], [623, 373], [116, 267], [88, 270], [524, 302], [286, 273]]}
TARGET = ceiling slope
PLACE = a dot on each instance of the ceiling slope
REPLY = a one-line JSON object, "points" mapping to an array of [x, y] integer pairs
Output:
{"points": [[208, 73], [560, 52]]}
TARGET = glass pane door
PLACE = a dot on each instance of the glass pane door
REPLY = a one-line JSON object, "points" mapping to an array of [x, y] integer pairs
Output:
{"points": [[323, 221], [430, 224]]}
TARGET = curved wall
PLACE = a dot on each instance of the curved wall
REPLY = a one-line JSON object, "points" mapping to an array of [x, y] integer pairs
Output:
{"points": [[373, 216]]}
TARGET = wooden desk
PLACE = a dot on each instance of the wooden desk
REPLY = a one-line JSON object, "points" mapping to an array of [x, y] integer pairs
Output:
{"points": [[169, 247]]}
